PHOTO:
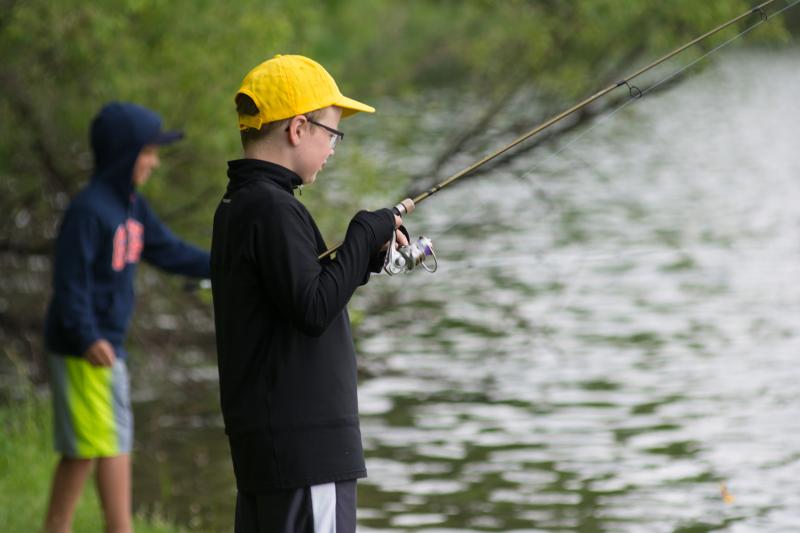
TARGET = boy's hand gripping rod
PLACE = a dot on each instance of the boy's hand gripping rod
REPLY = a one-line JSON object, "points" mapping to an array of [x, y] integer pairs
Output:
{"points": [[635, 92]]}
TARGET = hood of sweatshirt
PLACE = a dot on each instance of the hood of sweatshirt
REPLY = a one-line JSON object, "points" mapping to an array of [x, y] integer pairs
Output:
{"points": [[118, 133]]}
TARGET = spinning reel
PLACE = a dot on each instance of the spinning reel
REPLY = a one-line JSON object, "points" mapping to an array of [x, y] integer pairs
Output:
{"points": [[407, 258]]}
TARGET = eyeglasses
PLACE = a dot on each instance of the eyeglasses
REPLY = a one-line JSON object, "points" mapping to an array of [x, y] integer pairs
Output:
{"points": [[336, 135]]}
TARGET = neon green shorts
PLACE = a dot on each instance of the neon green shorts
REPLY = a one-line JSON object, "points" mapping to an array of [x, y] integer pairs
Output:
{"points": [[91, 408]]}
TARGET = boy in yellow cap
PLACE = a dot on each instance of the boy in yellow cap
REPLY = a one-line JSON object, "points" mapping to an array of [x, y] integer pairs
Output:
{"points": [[287, 364]]}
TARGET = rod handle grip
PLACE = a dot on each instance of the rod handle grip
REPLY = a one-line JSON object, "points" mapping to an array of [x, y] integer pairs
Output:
{"points": [[406, 207]]}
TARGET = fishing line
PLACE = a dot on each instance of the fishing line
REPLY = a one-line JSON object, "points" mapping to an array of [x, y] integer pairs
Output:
{"points": [[636, 94], [564, 302], [600, 122], [423, 247], [575, 274], [634, 91]]}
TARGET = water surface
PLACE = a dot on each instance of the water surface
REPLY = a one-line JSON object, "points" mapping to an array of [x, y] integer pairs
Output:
{"points": [[611, 338]]}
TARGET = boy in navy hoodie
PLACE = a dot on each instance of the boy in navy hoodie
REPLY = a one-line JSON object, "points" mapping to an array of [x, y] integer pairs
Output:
{"points": [[106, 230]]}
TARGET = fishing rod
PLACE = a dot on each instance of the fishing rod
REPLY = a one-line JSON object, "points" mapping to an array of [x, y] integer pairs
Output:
{"points": [[406, 258]]}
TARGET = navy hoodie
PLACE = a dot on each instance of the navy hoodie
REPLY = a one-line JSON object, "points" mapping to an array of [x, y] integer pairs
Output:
{"points": [[106, 230]]}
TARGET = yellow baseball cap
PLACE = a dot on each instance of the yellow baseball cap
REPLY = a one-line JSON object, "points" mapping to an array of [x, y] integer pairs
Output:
{"points": [[290, 85]]}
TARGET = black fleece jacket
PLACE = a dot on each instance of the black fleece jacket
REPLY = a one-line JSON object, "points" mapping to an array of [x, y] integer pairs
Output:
{"points": [[287, 364]]}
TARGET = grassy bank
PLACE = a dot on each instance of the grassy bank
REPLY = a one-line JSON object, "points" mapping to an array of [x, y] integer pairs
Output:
{"points": [[26, 466]]}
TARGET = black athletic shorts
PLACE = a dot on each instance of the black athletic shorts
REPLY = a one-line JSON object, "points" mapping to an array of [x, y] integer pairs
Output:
{"points": [[327, 508]]}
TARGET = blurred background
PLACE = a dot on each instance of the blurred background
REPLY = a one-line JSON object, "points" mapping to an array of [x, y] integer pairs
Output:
{"points": [[610, 342]]}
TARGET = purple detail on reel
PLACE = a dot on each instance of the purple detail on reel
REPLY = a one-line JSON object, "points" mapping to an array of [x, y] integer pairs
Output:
{"points": [[425, 244]]}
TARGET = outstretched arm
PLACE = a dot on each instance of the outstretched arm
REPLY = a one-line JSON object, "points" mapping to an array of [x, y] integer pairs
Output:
{"points": [[166, 251]]}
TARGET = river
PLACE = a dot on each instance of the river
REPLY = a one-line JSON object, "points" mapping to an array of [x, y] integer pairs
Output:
{"points": [[610, 343]]}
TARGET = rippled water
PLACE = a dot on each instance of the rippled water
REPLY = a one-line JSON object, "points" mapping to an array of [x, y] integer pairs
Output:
{"points": [[609, 345]]}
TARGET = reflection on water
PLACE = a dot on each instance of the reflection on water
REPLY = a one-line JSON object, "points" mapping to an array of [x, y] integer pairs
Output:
{"points": [[604, 345]]}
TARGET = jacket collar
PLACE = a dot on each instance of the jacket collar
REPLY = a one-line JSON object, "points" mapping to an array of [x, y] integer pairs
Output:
{"points": [[242, 171]]}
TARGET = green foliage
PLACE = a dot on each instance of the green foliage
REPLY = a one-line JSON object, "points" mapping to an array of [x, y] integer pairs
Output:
{"points": [[62, 59]]}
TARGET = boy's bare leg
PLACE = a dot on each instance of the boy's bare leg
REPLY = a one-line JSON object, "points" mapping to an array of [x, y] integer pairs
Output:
{"points": [[114, 487], [68, 481]]}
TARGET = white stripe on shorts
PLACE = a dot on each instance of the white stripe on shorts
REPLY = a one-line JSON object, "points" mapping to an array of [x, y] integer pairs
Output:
{"points": [[323, 503]]}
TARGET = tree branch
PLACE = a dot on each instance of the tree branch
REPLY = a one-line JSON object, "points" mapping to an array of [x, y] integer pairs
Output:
{"points": [[26, 112], [25, 249]]}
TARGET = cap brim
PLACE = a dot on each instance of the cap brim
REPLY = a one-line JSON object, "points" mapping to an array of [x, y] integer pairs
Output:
{"points": [[167, 137], [351, 107]]}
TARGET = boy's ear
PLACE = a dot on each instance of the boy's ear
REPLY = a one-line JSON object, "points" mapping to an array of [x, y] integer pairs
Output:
{"points": [[295, 129]]}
